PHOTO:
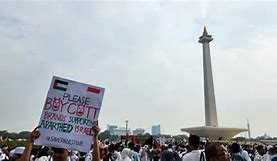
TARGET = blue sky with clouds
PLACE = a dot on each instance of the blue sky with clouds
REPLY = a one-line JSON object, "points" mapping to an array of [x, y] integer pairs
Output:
{"points": [[146, 55]]}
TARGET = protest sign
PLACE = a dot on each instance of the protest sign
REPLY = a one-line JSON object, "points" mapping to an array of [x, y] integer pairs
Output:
{"points": [[69, 114]]}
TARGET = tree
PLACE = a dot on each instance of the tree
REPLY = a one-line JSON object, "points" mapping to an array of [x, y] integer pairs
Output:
{"points": [[115, 138], [239, 138], [179, 138], [13, 135], [264, 137], [105, 135], [24, 135], [4, 134]]}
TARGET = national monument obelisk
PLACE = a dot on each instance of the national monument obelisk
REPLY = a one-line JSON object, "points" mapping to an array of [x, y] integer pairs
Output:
{"points": [[210, 107], [211, 130]]}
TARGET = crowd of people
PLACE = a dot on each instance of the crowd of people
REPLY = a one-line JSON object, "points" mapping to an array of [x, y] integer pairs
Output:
{"points": [[192, 150]]}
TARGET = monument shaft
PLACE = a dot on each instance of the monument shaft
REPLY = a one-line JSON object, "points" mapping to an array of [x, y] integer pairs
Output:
{"points": [[210, 106]]}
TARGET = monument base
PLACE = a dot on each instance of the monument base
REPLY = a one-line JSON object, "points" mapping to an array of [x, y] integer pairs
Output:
{"points": [[214, 133]]}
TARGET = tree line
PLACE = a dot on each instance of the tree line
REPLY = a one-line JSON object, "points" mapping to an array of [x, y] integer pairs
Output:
{"points": [[14, 136]]}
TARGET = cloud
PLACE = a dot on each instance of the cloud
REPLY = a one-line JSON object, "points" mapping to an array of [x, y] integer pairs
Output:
{"points": [[145, 54], [11, 27], [204, 8]]}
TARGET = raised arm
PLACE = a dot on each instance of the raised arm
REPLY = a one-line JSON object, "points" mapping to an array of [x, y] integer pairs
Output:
{"points": [[96, 152], [27, 151]]}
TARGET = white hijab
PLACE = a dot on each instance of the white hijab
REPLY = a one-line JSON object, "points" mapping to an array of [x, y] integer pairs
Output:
{"points": [[125, 155]]}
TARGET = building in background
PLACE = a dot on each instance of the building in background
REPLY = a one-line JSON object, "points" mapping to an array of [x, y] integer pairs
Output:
{"points": [[138, 131], [156, 130], [111, 128], [121, 131]]}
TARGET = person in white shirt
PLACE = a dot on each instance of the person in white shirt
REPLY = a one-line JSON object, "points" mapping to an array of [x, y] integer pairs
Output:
{"points": [[194, 153], [74, 155], [259, 154], [245, 155], [43, 154], [143, 153], [125, 155]]}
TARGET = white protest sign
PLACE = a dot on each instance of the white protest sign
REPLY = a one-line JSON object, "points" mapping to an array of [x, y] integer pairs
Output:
{"points": [[69, 114]]}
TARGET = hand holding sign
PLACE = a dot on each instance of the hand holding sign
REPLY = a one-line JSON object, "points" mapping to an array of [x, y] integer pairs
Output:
{"points": [[35, 134], [96, 131]]}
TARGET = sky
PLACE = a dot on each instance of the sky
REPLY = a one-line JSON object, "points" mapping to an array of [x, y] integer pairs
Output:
{"points": [[147, 57]]}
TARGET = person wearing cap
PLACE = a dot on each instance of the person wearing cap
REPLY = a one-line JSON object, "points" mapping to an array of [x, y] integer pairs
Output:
{"points": [[217, 152], [16, 153], [59, 154]]}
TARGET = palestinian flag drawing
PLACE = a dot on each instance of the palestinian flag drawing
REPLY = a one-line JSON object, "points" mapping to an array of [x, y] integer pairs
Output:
{"points": [[60, 85], [93, 90]]}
